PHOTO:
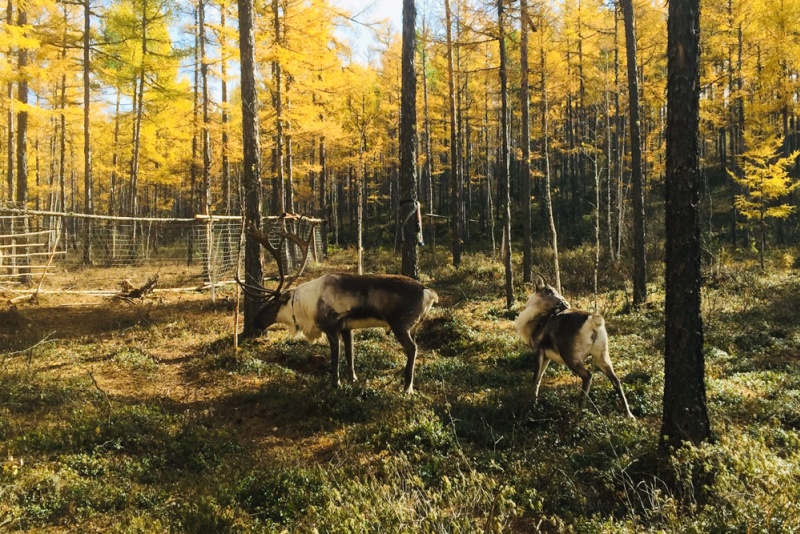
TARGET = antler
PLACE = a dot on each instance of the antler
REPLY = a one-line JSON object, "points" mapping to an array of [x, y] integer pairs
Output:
{"points": [[263, 240]]}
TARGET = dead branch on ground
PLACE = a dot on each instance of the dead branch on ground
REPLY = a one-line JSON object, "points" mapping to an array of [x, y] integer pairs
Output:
{"points": [[129, 293]]}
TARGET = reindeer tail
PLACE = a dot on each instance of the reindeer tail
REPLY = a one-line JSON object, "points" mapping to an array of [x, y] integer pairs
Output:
{"points": [[431, 295], [598, 320]]}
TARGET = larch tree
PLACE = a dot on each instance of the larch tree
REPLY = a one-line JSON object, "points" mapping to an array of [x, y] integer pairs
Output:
{"points": [[455, 178], [639, 257], [251, 179], [766, 179], [409, 205], [88, 206], [204, 131], [525, 168], [22, 114], [545, 147], [10, 99], [505, 172], [685, 414]]}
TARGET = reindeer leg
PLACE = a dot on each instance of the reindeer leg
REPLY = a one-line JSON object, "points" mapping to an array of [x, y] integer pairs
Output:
{"points": [[577, 366], [540, 366], [347, 337], [604, 363], [410, 347], [333, 339]]}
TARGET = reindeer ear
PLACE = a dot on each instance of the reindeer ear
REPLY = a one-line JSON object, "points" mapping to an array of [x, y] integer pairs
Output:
{"points": [[539, 283]]}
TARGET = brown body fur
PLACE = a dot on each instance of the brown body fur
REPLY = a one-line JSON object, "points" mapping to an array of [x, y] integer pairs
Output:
{"points": [[337, 304]]}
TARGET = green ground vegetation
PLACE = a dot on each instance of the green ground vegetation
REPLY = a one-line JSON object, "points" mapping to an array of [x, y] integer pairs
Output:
{"points": [[129, 418]]}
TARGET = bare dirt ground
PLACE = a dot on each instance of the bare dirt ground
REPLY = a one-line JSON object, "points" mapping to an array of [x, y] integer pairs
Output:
{"points": [[151, 350]]}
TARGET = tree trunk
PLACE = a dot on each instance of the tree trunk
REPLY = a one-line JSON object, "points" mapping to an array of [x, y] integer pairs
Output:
{"points": [[252, 159], [504, 176], [609, 173], [112, 193], [619, 141], [22, 143], [204, 132], [10, 117], [289, 187], [489, 203], [359, 202], [193, 193], [325, 207], [548, 199], [22, 118], [455, 179], [87, 145], [62, 142], [137, 125], [525, 169], [685, 416], [639, 260], [428, 170], [278, 193], [226, 166], [409, 205]]}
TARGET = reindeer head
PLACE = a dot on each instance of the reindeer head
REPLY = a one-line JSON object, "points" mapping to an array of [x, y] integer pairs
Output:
{"points": [[276, 298], [268, 314], [546, 299]]}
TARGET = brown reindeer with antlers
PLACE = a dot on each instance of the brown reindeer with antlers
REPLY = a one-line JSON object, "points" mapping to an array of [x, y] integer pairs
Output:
{"points": [[337, 304]]}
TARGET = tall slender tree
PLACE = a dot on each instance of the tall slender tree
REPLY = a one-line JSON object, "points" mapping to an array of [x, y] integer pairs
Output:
{"points": [[685, 415], [225, 114], [455, 178], [204, 131], [87, 141], [10, 117], [525, 168], [22, 115], [639, 259], [548, 198], [251, 180], [278, 192], [504, 175], [409, 205]]}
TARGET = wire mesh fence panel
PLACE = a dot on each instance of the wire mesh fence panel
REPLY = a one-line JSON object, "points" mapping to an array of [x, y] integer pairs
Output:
{"points": [[187, 252], [26, 249]]}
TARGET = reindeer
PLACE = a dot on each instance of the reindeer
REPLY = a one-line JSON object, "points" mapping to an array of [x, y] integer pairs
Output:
{"points": [[337, 304], [567, 336]]}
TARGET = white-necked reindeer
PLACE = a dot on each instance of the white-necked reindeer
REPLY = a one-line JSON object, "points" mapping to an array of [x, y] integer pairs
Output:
{"points": [[567, 336], [337, 304]]}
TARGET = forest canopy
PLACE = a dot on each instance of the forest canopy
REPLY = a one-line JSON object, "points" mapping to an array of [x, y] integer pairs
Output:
{"points": [[153, 85]]}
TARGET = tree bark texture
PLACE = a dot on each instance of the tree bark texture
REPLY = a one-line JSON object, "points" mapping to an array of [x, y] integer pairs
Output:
{"points": [[10, 117], [87, 145], [504, 175], [525, 168], [252, 159], [408, 144], [455, 179], [685, 416], [22, 118], [278, 193], [639, 260]]}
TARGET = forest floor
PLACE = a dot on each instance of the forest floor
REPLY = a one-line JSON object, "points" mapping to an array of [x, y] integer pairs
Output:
{"points": [[139, 416]]}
